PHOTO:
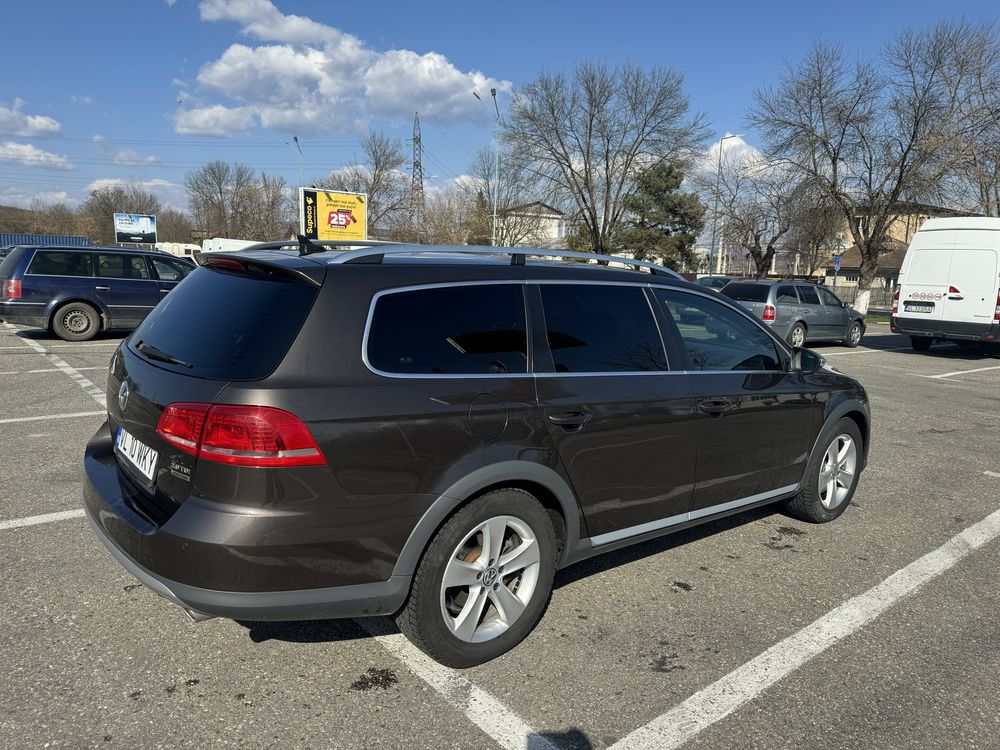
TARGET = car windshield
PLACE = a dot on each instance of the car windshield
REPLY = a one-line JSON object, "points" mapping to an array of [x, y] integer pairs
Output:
{"points": [[747, 292]]}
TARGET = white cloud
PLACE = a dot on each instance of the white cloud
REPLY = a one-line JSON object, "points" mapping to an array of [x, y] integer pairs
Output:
{"points": [[170, 3], [12, 196], [82, 101], [126, 157], [214, 120], [311, 77], [15, 122], [735, 150], [32, 156]]}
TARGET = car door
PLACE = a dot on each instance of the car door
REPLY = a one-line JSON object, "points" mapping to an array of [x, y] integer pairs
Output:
{"points": [[837, 316], [125, 287], [756, 419], [169, 273], [623, 425], [813, 313], [787, 309]]}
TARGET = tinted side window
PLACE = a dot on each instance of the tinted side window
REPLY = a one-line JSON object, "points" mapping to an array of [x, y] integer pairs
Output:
{"points": [[718, 338], [115, 266], [456, 330], [170, 270], [808, 295], [747, 292], [829, 298], [594, 328], [786, 294], [61, 264]]}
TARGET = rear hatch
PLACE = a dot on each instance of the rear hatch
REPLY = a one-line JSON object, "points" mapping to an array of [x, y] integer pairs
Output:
{"points": [[223, 323], [924, 284], [750, 295]]}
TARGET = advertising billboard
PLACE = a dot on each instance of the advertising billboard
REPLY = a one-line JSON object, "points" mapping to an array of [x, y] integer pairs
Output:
{"points": [[139, 228], [326, 215]]}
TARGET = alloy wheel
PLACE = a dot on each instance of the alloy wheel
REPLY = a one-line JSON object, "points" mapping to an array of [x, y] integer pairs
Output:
{"points": [[837, 471]]}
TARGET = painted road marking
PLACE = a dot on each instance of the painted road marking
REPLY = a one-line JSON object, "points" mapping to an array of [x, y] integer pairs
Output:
{"points": [[992, 474], [494, 718], [743, 684], [963, 372], [75, 375], [49, 369], [46, 417], [866, 351], [44, 518]]}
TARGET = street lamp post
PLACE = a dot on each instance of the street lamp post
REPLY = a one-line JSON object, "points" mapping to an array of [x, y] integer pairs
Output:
{"points": [[297, 148], [496, 166], [715, 211]]}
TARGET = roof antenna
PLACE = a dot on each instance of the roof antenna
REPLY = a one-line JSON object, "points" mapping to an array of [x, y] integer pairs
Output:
{"points": [[308, 247]]}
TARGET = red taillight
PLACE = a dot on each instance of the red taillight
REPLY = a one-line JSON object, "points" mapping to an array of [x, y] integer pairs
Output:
{"points": [[180, 425], [953, 290], [12, 289], [230, 263], [769, 312], [996, 312], [241, 435], [895, 300]]}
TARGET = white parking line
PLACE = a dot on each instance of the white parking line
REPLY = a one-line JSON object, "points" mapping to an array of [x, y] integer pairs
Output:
{"points": [[64, 515], [867, 351], [721, 698], [49, 369], [962, 372], [46, 417], [992, 474], [494, 718], [98, 346], [91, 390]]}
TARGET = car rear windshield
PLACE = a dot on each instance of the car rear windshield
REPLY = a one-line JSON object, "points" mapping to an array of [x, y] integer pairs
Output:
{"points": [[59, 263], [9, 261], [232, 326], [747, 292]]}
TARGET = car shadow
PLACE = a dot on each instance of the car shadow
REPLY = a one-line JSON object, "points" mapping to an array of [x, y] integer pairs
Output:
{"points": [[40, 334], [332, 631]]}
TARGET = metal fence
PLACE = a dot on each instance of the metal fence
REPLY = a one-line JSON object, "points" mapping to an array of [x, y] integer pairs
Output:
{"points": [[881, 298]]}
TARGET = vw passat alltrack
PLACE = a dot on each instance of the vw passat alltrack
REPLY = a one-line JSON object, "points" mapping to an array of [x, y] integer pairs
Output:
{"points": [[431, 433]]}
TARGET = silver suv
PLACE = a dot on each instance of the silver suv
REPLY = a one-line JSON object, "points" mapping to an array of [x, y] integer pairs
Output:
{"points": [[799, 312]]}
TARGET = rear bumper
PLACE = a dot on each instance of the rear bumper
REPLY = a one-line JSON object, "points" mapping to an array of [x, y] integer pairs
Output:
{"points": [[24, 313], [945, 329], [149, 552]]}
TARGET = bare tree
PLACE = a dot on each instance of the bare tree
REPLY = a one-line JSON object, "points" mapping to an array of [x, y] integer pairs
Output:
{"points": [[97, 211], [379, 176], [510, 190], [231, 200], [866, 135], [173, 226], [592, 133], [817, 225]]}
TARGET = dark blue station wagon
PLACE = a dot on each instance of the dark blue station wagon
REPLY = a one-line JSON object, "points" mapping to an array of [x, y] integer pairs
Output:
{"points": [[76, 292]]}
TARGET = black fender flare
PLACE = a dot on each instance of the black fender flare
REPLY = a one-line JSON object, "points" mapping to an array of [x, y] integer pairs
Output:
{"points": [[833, 415], [498, 473]]}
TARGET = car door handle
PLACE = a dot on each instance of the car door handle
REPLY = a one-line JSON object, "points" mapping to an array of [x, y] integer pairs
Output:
{"points": [[571, 419], [717, 406], [955, 296], [103, 288], [164, 291]]}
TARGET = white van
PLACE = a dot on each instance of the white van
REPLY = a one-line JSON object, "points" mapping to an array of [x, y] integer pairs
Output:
{"points": [[949, 287]]}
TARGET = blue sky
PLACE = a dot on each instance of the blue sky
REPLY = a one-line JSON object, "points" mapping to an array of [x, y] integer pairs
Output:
{"points": [[145, 90]]}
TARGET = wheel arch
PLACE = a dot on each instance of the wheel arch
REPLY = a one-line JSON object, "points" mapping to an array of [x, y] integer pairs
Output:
{"points": [[551, 490], [856, 411]]}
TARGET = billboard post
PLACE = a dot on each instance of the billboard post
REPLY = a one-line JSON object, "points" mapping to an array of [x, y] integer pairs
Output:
{"points": [[326, 215], [135, 228]]}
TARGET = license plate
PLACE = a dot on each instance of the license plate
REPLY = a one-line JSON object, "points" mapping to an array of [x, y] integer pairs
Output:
{"points": [[137, 453], [918, 307]]}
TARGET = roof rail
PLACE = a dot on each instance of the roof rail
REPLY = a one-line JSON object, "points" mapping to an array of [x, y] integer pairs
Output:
{"points": [[296, 244], [517, 255]]}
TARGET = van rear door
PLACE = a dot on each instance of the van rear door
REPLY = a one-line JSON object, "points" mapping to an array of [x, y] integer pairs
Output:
{"points": [[924, 282], [972, 281]]}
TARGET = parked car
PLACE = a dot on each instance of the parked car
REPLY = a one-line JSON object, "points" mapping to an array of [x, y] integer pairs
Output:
{"points": [[716, 283], [799, 312], [948, 283], [78, 291], [432, 432]]}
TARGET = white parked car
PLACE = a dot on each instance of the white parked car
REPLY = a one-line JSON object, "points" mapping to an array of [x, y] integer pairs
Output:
{"points": [[949, 287]]}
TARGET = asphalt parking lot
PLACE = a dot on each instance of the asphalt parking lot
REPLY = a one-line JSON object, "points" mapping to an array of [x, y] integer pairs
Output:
{"points": [[756, 631]]}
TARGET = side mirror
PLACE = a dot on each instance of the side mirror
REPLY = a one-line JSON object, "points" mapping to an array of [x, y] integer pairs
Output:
{"points": [[806, 360]]}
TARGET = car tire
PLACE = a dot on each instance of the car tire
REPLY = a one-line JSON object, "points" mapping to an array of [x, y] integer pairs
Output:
{"points": [[831, 475], [920, 343], [854, 334], [797, 336], [76, 321], [441, 620]]}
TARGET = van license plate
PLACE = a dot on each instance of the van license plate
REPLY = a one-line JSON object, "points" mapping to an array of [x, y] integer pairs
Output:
{"points": [[137, 453], [918, 307]]}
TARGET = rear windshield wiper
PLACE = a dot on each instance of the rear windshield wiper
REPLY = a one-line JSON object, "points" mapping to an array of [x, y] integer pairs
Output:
{"points": [[161, 356]]}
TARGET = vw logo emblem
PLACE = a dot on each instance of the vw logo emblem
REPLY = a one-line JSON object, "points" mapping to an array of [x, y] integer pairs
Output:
{"points": [[490, 576], [123, 396]]}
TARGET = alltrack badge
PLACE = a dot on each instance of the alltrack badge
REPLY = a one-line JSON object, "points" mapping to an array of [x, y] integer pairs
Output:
{"points": [[123, 396]]}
